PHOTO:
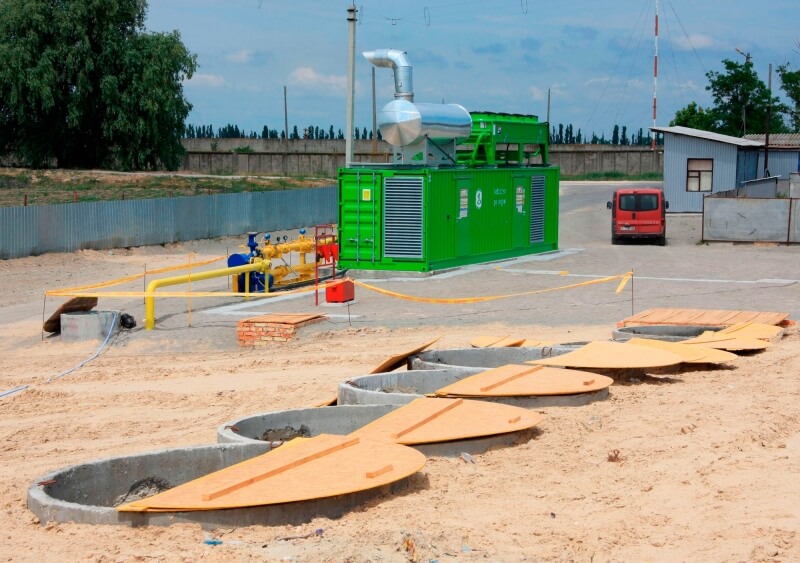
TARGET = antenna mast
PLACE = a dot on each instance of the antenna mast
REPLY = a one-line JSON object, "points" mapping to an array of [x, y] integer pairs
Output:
{"points": [[655, 83]]}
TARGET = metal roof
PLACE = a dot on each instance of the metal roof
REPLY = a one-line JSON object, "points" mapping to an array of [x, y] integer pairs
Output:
{"points": [[709, 136], [778, 140]]}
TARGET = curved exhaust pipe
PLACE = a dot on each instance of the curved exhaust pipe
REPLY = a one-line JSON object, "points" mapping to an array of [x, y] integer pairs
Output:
{"points": [[398, 62]]}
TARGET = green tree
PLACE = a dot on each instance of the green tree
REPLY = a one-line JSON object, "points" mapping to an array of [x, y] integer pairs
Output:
{"points": [[81, 81], [742, 100], [695, 117], [615, 135], [790, 82]]}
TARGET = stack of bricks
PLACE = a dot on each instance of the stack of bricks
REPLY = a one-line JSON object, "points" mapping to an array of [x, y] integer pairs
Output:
{"points": [[263, 330]]}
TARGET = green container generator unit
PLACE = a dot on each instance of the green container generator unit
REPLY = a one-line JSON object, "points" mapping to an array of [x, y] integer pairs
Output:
{"points": [[462, 188]]}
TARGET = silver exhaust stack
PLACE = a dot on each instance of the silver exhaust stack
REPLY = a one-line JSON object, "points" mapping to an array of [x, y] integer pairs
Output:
{"points": [[398, 62]]}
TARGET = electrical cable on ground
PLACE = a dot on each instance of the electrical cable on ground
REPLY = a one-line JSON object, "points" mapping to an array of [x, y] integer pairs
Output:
{"points": [[80, 365], [99, 350]]}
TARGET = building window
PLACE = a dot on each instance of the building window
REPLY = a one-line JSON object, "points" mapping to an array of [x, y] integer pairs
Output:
{"points": [[699, 172]]}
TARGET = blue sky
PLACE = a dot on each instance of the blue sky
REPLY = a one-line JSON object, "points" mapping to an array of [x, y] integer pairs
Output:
{"points": [[595, 57]]}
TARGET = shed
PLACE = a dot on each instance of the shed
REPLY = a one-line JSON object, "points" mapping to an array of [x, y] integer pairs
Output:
{"points": [[698, 163], [784, 153]]}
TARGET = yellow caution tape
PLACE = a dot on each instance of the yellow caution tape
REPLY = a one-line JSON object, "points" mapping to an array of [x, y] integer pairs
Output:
{"points": [[461, 300], [626, 278], [65, 293], [120, 281]]}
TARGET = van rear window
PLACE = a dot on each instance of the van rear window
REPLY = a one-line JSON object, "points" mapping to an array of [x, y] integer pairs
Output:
{"points": [[627, 202], [638, 202], [648, 202]]}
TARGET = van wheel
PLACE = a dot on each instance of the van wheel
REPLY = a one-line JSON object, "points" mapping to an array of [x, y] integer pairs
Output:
{"points": [[614, 240], [662, 240]]}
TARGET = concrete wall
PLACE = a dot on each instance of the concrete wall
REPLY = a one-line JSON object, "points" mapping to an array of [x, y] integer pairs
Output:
{"points": [[577, 160], [323, 157], [751, 219]]}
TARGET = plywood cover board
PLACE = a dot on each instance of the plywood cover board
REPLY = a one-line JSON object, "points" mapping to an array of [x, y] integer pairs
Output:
{"points": [[430, 420], [485, 341], [759, 331], [284, 318], [712, 339], [396, 361], [526, 381], [702, 317], [320, 467], [612, 355], [690, 354]]}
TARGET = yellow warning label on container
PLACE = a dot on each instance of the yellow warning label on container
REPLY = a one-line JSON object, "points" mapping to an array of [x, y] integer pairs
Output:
{"points": [[366, 194]]}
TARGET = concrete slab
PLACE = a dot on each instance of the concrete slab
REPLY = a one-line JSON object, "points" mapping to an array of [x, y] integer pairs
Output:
{"points": [[87, 493], [88, 325]]}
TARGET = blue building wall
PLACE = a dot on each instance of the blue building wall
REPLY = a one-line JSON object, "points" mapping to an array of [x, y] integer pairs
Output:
{"points": [[677, 150]]}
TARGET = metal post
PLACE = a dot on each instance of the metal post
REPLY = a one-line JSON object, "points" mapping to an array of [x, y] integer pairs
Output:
{"points": [[351, 84], [285, 115], [655, 84], [374, 120], [769, 120]]}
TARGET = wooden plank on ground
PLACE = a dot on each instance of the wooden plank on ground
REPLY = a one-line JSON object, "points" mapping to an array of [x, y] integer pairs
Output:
{"points": [[703, 317]]}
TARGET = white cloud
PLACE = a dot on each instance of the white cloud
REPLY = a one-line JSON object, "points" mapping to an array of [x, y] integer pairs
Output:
{"points": [[538, 94], [696, 41], [241, 57], [211, 80], [307, 76], [600, 80]]}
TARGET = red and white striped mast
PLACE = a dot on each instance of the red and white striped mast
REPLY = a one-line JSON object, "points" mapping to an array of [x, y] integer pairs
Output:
{"points": [[655, 83]]}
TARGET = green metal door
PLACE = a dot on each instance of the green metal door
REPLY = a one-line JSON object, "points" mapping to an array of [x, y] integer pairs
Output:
{"points": [[360, 217]]}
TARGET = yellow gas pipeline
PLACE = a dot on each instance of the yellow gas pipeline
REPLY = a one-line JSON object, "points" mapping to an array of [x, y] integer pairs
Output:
{"points": [[150, 301]]}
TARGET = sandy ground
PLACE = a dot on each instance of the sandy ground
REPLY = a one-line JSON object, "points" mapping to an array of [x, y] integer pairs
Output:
{"points": [[707, 463]]}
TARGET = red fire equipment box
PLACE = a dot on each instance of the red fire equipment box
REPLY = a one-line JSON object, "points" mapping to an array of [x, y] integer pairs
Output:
{"points": [[340, 292]]}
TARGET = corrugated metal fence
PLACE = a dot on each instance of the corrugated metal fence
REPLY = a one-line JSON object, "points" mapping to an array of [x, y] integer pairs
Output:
{"points": [[29, 231]]}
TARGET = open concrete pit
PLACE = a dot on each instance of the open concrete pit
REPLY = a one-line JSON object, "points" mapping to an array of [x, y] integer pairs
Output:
{"points": [[344, 419], [88, 493], [487, 357], [667, 333], [405, 386], [268, 427]]}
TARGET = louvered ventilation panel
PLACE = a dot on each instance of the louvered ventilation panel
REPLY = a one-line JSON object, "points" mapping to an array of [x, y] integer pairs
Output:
{"points": [[403, 218], [537, 209]]}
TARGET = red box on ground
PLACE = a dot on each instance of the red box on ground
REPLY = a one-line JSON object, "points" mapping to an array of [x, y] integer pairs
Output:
{"points": [[340, 292]]}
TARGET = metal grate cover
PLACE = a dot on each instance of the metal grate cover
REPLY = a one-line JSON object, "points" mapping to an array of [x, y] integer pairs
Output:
{"points": [[537, 209], [402, 217]]}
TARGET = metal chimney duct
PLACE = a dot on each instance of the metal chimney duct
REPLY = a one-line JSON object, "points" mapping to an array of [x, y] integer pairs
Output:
{"points": [[398, 62]]}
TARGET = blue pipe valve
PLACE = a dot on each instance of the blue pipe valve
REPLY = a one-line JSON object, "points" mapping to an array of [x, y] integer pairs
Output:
{"points": [[251, 242]]}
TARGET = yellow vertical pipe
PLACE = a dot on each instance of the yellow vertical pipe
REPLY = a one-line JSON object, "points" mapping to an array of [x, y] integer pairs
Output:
{"points": [[150, 301]]}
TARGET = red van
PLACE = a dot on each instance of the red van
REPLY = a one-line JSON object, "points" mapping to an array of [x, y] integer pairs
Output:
{"points": [[638, 213]]}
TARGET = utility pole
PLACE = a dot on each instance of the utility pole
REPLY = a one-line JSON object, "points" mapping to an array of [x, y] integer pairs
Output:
{"points": [[769, 122], [351, 84], [655, 83], [744, 94], [285, 115]]}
